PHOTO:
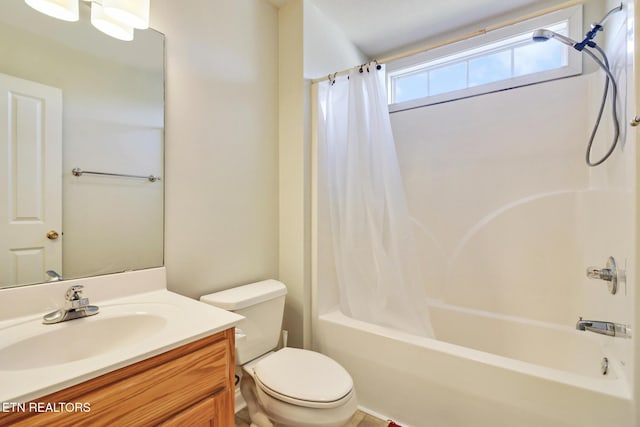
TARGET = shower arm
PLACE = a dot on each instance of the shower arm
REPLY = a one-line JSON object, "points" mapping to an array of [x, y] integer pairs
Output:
{"points": [[595, 27]]}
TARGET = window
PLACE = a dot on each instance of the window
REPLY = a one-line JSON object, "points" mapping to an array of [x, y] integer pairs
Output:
{"points": [[500, 59]]}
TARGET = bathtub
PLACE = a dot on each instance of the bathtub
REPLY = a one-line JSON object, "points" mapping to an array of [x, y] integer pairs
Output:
{"points": [[482, 370]]}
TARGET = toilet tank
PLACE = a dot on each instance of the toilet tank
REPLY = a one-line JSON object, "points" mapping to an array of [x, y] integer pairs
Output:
{"points": [[262, 305]]}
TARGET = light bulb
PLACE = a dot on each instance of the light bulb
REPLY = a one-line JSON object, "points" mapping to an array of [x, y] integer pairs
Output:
{"points": [[134, 13], [67, 10], [108, 25]]}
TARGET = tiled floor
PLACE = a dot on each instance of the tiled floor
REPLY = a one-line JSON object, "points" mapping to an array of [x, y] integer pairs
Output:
{"points": [[359, 419]]}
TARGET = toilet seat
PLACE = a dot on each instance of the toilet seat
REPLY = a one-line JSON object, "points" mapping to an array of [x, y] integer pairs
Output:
{"points": [[303, 378]]}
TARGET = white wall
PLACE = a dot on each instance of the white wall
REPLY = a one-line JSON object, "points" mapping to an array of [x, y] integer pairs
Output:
{"points": [[495, 184], [221, 142], [608, 212], [633, 110], [326, 48], [491, 184]]}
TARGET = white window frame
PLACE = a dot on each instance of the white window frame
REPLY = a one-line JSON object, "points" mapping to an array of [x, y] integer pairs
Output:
{"points": [[473, 47]]}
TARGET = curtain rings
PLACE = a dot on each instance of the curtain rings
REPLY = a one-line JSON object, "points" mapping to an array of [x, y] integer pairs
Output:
{"points": [[368, 65], [332, 80]]}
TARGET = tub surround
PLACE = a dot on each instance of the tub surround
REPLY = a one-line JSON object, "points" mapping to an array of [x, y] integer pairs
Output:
{"points": [[507, 220], [182, 319]]}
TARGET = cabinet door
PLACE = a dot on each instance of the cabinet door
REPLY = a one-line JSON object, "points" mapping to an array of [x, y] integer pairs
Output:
{"points": [[202, 414], [211, 412], [193, 382]]}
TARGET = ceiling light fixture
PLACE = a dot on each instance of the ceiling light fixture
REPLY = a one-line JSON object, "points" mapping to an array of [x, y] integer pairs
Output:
{"points": [[116, 18]]}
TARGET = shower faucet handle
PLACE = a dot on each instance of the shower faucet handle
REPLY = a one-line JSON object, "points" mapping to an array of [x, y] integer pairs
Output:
{"points": [[608, 274], [603, 274]]}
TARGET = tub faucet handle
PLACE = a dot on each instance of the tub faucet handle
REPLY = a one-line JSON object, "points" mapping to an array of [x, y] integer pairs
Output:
{"points": [[608, 274], [595, 273]]}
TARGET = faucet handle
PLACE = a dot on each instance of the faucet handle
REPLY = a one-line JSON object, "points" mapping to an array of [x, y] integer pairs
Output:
{"points": [[75, 299], [74, 292], [608, 274], [597, 273]]}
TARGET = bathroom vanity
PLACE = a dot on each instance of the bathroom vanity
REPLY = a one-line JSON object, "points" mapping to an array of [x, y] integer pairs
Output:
{"points": [[150, 357], [190, 385]]}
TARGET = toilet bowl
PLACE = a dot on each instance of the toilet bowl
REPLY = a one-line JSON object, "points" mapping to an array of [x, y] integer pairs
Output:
{"points": [[300, 388], [289, 387]]}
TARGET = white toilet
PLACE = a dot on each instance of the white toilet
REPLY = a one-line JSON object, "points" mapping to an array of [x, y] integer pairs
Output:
{"points": [[289, 387]]}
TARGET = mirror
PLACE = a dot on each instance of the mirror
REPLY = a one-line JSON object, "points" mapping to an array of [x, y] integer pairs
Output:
{"points": [[72, 97]]}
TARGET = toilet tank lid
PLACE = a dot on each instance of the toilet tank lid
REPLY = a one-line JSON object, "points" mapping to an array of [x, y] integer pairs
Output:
{"points": [[246, 295]]}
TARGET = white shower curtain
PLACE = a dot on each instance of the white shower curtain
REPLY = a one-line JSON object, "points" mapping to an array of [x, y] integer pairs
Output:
{"points": [[378, 272]]}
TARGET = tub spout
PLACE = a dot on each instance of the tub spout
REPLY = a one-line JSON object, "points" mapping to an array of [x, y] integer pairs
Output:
{"points": [[604, 328]]}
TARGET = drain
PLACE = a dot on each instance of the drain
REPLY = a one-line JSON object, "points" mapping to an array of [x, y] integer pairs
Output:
{"points": [[604, 366]]}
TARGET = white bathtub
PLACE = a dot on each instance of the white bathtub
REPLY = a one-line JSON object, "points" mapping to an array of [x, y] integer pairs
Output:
{"points": [[483, 370]]}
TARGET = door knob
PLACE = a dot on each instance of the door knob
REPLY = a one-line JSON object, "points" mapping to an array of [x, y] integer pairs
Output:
{"points": [[52, 235]]}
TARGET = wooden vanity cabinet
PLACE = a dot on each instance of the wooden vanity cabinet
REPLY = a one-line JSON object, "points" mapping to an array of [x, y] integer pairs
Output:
{"points": [[192, 385]]}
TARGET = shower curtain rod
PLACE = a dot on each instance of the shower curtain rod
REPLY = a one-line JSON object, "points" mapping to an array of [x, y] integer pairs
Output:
{"points": [[462, 37]]}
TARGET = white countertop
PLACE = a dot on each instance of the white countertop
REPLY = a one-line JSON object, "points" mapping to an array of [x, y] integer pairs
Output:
{"points": [[174, 320]]}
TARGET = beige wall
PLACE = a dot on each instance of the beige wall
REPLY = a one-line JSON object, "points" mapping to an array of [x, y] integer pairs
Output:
{"points": [[237, 171], [293, 155], [309, 45], [221, 170]]}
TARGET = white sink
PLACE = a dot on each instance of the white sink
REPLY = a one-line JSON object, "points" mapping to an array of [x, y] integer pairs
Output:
{"points": [[138, 319], [77, 339], [38, 359]]}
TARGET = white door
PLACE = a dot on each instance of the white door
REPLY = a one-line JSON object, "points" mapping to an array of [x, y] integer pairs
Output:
{"points": [[30, 181]]}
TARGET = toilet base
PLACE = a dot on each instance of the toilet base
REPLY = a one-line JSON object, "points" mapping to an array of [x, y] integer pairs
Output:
{"points": [[265, 411], [239, 403], [257, 416]]}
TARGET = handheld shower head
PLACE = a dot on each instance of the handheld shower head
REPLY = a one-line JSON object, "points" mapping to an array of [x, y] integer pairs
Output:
{"points": [[542, 35], [585, 46]]}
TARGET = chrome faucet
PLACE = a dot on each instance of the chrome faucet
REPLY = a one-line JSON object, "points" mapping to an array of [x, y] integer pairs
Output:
{"points": [[53, 276], [604, 328], [75, 306]]}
